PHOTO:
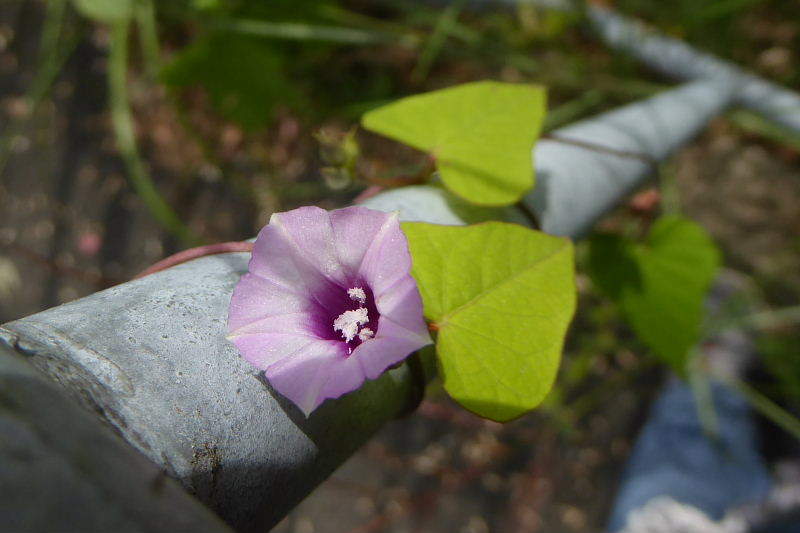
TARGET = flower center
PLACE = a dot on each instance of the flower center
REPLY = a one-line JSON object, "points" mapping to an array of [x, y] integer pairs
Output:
{"points": [[350, 322]]}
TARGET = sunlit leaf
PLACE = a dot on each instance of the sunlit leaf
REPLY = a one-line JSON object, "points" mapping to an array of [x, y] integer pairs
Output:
{"points": [[501, 297], [481, 135]]}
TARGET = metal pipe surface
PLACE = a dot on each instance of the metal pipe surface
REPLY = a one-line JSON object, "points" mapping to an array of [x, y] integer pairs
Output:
{"points": [[600, 160], [679, 60], [61, 469], [151, 357]]}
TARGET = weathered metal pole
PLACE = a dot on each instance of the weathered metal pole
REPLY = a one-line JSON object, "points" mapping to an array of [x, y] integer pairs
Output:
{"points": [[597, 162], [150, 356], [61, 469], [679, 60]]}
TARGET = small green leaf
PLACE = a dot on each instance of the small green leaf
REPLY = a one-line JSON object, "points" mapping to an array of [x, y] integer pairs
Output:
{"points": [[660, 285], [105, 10], [481, 135], [501, 297]]}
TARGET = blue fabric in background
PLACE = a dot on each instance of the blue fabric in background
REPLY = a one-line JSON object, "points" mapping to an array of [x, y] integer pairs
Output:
{"points": [[673, 457]]}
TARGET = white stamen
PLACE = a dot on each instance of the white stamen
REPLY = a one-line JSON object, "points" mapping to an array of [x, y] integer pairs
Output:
{"points": [[365, 334], [358, 294], [349, 321]]}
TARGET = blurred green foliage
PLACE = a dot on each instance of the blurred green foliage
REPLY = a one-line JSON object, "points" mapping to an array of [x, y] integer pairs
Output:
{"points": [[660, 284], [105, 10], [781, 355], [243, 76]]}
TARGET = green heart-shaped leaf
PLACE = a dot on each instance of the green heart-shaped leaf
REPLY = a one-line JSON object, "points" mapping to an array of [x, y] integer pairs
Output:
{"points": [[481, 135], [501, 297], [660, 285]]}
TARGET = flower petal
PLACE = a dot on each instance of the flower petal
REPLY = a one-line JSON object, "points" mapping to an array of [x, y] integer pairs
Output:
{"points": [[255, 299], [303, 376], [401, 303], [391, 346], [309, 230], [355, 229], [387, 260], [343, 377], [279, 258], [265, 349]]}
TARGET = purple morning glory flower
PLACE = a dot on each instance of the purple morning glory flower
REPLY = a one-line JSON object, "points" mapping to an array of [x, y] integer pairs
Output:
{"points": [[328, 302]]}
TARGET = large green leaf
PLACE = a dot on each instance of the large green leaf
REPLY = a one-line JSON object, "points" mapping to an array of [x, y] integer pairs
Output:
{"points": [[481, 135], [244, 76], [501, 297], [105, 10], [660, 284]]}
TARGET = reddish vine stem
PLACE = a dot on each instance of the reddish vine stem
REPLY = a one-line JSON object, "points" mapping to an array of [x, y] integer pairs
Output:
{"points": [[646, 158], [379, 184], [195, 253], [368, 193]]}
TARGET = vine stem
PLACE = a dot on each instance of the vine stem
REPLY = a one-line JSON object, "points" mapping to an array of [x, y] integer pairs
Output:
{"points": [[784, 316], [122, 123], [196, 253], [645, 158], [52, 55], [769, 409], [700, 385], [444, 26], [302, 32], [368, 193], [148, 36]]}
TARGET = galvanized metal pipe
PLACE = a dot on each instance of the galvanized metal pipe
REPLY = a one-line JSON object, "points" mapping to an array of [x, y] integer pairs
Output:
{"points": [[61, 469], [679, 60], [151, 357], [600, 160]]}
